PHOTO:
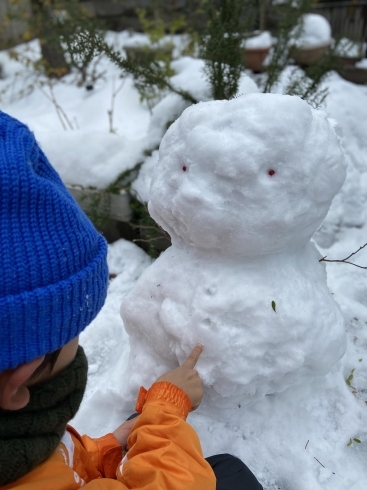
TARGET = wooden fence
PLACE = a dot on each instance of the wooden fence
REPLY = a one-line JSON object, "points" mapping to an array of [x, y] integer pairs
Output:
{"points": [[347, 19]]}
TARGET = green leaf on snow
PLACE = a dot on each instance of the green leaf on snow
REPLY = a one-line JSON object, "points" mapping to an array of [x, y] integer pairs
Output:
{"points": [[350, 378]]}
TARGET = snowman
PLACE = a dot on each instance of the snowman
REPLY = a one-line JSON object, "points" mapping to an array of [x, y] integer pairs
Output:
{"points": [[241, 186]]}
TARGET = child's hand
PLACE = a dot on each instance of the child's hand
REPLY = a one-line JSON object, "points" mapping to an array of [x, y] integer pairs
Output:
{"points": [[187, 378], [123, 431]]}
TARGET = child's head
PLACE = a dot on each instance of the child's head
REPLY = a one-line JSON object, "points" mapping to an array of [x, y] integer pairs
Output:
{"points": [[52, 260]]}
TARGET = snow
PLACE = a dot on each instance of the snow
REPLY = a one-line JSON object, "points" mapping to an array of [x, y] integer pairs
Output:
{"points": [[190, 76], [143, 40], [316, 30], [141, 186], [85, 125], [362, 64], [137, 40], [280, 436], [348, 48], [94, 167], [260, 41]]}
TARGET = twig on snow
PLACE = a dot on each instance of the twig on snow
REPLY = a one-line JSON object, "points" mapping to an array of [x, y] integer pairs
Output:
{"points": [[322, 464], [59, 110], [110, 112], [346, 260]]}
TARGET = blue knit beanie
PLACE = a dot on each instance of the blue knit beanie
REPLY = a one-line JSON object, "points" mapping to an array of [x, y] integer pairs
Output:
{"points": [[53, 270]]}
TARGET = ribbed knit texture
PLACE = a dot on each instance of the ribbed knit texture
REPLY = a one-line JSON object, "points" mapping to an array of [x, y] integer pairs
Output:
{"points": [[168, 392], [53, 271], [30, 435]]}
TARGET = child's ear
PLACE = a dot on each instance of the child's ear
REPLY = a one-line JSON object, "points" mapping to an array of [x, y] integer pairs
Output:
{"points": [[13, 394]]}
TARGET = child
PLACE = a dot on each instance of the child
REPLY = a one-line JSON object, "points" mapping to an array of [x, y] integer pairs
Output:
{"points": [[53, 283]]}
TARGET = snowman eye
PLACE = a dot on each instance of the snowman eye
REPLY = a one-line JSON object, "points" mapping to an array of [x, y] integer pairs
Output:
{"points": [[271, 172], [184, 168]]}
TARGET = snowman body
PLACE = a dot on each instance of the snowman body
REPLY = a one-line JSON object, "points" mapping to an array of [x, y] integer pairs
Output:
{"points": [[241, 186]]}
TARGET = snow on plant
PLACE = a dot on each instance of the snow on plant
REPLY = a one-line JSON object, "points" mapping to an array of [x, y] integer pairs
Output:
{"points": [[152, 77], [314, 30], [221, 45], [348, 48], [290, 28]]}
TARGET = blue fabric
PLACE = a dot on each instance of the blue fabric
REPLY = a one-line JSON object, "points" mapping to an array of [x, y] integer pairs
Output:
{"points": [[53, 270]]}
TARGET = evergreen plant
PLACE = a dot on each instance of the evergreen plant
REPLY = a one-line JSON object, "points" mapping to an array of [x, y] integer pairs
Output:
{"points": [[153, 76], [228, 22], [289, 28], [306, 82]]}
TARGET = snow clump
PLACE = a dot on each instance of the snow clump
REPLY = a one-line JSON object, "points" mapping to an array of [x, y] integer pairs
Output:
{"points": [[261, 41]]}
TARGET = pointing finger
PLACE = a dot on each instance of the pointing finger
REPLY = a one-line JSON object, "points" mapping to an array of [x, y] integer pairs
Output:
{"points": [[193, 357]]}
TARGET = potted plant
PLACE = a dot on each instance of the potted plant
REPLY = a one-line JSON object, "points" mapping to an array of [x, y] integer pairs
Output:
{"points": [[255, 50], [355, 73], [312, 39], [347, 52]]}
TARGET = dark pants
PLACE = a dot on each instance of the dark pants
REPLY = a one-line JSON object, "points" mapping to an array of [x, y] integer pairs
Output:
{"points": [[232, 474]]}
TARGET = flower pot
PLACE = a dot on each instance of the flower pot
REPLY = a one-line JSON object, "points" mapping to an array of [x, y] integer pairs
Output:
{"points": [[309, 55], [353, 74], [111, 213], [347, 60], [253, 58], [117, 206]]}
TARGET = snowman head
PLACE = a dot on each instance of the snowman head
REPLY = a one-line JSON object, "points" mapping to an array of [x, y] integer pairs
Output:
{"points": [[249, 176]]}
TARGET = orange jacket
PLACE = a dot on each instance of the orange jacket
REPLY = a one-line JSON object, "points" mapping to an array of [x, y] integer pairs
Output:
{"points": [[164, 453]]}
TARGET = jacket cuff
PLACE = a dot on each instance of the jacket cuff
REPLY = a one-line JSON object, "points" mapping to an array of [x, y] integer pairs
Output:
{"points": [[109, 455], [167, 392]]}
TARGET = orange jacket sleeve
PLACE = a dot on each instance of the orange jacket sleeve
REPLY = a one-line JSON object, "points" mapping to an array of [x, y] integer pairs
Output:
{"points": [[105, 453], [165, 451]]}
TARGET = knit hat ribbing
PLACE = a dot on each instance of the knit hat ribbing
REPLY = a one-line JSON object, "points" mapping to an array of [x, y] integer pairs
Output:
{"points": [[53, 271]]}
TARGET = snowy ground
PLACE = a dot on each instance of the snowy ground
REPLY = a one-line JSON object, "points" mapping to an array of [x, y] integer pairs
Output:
{"points": [[294, 441]]}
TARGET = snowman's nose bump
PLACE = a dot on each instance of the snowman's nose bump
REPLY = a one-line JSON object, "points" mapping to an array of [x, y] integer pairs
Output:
{"points": [[271, 172]]}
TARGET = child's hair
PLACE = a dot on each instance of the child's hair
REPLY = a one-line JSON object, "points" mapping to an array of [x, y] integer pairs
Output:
{"points": [[48, 363], [53, 265]]}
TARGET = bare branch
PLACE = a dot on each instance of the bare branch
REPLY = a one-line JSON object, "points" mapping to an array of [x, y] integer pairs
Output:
{"points": [[319, 462], [110, 112], [346, 260], [360, 248], [59, 110]]}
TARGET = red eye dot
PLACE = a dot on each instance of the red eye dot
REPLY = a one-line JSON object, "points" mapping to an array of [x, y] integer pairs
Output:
{"points": [[184, 168], [271, 172]]}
